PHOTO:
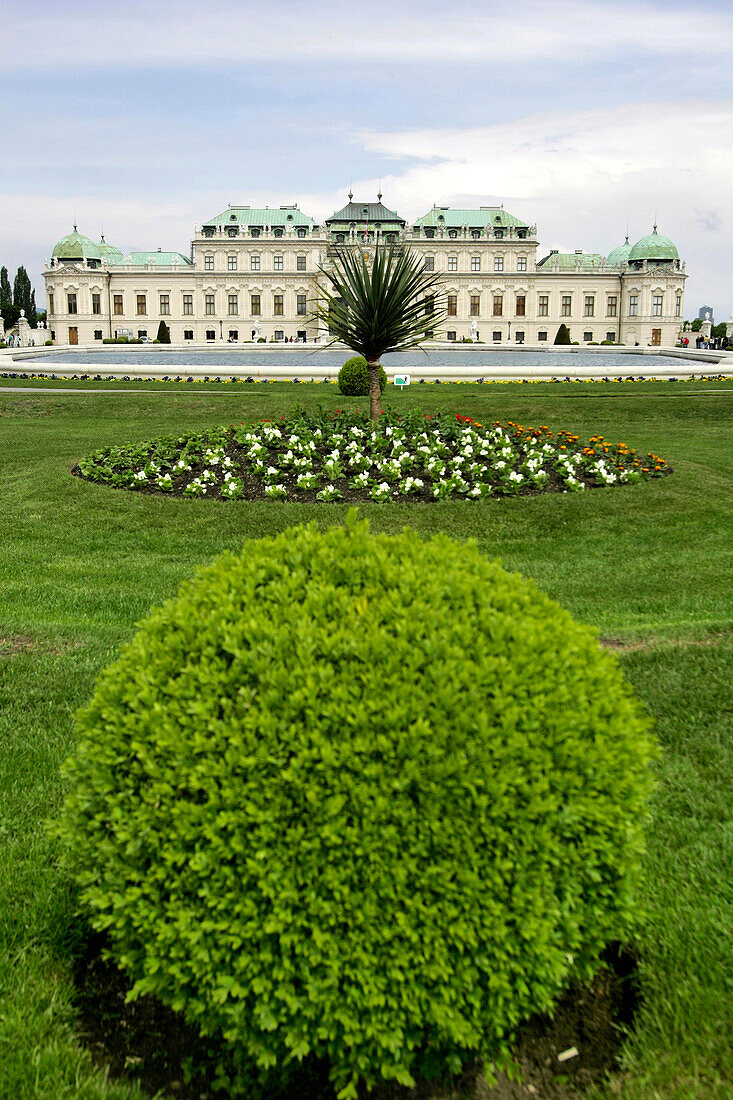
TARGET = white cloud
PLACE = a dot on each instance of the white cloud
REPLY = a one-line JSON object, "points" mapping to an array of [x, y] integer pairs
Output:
{"points": [[186, 32], [581, 176]]}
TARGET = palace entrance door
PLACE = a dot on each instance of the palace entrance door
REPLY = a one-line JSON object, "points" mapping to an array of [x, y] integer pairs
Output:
{"points": [[656, 337], [74, 335]]}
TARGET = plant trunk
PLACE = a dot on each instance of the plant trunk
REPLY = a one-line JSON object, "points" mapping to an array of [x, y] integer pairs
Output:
{"points": [[375, 393]]}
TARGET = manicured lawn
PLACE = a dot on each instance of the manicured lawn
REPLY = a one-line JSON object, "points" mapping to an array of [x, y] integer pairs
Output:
{"points": [[650, 563]]}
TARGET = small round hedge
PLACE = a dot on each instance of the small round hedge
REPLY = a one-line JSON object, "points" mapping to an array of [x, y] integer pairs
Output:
{"points": [[353, 378], [362, 798]]}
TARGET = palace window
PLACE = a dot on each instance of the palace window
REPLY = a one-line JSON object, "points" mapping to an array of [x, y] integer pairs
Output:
{"points": [[566, 305], [208, 231], [142, 305], [612, 305], [589, 308], [233, 304], [209, 309], [188, 305], [452, 305], [255, 307], [277, 263], [254, 263], [208, 263], [97, 334], [522, 234], [279, 334], [542, 336], [496, 336], [498, 263], [430, 263], [50, 303], [430, 233], [677, 305], [521, 263], [277, 302], [657, 301], [188, 334], [475, 305], [231, 263], [254, 232], [587, 336], [301, 232], [210, 334], [498, 233], [453, 233], [475, 263], [453, 263], [430, 304], [165, 305], [611, 337], [232, 232], [521, 309], [96, 303], [543, 305], [519, 337], [498, 305], [277, 233], [633, 305], [117, 306], [71, 303], [451, 335], [475, 233], [300, 305], [300, 263], [233, 334], [141, 332]]}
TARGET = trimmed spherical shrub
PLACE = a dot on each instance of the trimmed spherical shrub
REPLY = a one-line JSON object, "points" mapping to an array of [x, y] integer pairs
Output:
{"points": [[361, 798], [353, 378]]}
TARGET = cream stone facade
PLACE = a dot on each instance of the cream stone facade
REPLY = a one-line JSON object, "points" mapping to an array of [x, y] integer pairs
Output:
{"points": [[251, 276]]}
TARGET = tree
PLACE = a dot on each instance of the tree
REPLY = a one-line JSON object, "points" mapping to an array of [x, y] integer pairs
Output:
{"points": [[388, 306], [9, 312], [24, 296], [697, 324], [563, 335], [164, 333]]}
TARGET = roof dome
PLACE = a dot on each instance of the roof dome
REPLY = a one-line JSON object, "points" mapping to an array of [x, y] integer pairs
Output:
{"points": [[109, 253], [75, 246], [653, 247], [619, 255]]}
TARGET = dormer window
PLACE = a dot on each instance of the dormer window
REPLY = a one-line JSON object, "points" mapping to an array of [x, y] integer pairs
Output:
{"points": [[498, 233], [301, 232], [340, 238], [430, 233], [522, 234], [441, 218], [254, 232], [208, 231], [232, 217], [475, 233], [232, 232], [453, 233]]}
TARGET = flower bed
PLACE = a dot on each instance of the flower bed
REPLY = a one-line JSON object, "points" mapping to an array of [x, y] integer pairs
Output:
{"points": [[345, 456]]}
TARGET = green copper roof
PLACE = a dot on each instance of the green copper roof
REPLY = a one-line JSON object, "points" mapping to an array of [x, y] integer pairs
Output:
{"points": [[110, 254], [75, 246], [619, 255], [158, 259], [571, 261], [249, 215], [654, 247], [475, 219], [359, 213]]}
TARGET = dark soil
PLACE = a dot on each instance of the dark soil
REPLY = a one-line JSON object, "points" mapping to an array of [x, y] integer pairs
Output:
{"points": [[149, 1043]]}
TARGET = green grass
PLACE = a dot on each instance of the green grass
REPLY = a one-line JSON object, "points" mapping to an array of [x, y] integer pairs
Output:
{"points": [[82, 563]]}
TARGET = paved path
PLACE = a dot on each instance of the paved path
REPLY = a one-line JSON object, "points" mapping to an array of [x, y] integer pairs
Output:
{"points": [[262, 391]]}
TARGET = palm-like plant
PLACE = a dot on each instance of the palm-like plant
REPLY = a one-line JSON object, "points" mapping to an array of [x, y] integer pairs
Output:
{"points": [[388, 306]]}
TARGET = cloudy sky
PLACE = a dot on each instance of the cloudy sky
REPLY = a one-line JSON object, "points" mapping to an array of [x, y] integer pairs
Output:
{"points": [[585, 116]]}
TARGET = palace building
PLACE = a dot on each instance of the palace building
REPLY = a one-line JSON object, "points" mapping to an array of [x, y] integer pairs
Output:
{"points": [[251, 275]]}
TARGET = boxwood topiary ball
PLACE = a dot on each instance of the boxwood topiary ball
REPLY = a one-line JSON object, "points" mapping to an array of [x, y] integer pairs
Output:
{"points": [[359, 797], [353, 378]]}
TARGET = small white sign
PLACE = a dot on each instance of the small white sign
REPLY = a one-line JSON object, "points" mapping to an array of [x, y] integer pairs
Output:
{"points": [[402, 380]]}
